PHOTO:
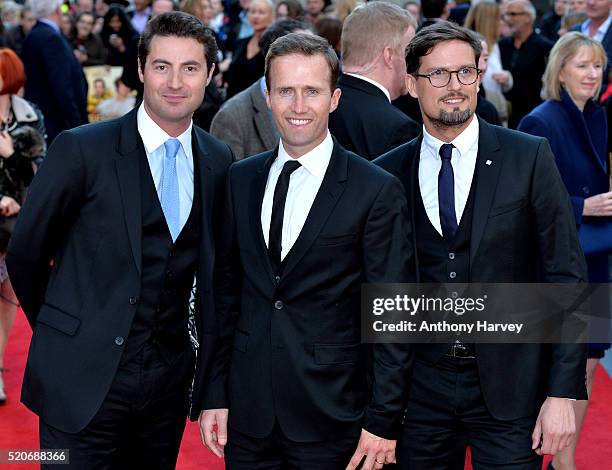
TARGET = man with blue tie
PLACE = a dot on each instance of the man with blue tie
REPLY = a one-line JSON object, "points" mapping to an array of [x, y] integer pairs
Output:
{"points": [[116, 228], [488, 206]]}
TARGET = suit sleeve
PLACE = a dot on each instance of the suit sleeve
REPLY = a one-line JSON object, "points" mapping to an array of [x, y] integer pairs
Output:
{"points": [[535, 126], [563, 262], [52, 205], [388, 258], [61, 80], [227, 284], [226, 127]]}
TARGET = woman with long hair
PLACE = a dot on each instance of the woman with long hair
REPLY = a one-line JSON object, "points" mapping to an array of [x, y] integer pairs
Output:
{"points": [[117, 33], [484, 18]]}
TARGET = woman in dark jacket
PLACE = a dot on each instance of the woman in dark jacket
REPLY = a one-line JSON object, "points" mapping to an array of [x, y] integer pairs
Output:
{"points": [[22, 142], [576, 127], [117, 33]]}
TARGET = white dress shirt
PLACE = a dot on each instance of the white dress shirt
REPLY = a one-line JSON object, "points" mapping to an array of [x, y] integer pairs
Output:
{"points": [[371, 82], [601, 31], [463, 162], [153, 138], [304, 185]]}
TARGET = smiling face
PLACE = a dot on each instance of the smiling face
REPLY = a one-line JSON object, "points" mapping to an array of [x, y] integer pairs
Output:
{"points": [[301, 99], [581, 75], [452, 106], [175, 76], [84, 26]]}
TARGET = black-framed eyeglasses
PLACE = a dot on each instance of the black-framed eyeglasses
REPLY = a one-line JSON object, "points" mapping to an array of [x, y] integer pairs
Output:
{"points": [[439, 78]]}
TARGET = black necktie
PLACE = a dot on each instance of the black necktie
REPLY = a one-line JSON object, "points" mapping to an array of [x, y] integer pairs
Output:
{"points": [[446, 193], [278, 210]]}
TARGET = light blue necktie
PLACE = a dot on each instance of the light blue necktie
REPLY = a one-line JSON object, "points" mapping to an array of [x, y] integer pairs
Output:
{"points": [[170, 188]]}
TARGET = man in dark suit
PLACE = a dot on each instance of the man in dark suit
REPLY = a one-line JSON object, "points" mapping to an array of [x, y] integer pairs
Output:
{"points": [[103, 259], [374, 38], [487, 205], [245, 122], [305, 225], [55, 80], [524, 55]]}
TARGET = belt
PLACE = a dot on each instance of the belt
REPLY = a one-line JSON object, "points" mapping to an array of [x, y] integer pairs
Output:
{"points": [[462, 350]]}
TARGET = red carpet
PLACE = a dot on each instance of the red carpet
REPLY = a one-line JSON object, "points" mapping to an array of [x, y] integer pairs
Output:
{"points": [[19, 427]]}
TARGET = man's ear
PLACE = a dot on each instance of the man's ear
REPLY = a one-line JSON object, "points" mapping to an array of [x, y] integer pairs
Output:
{"points": [[335, 99], [388, 56], [140, 74], [210, 74], [411, 85]]}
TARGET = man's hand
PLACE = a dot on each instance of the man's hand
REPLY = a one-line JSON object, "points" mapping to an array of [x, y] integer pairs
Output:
{"points": [[378, 451], [214, 441], [555, 426], [502, 77], [8, 206]]}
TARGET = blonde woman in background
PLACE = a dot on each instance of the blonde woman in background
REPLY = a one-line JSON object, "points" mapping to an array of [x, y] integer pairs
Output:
{"points": [[484, 19]]}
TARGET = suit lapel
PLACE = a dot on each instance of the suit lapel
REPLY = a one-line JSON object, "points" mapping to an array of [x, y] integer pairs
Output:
{"points": [[261, 117], [488, 165], [255, 203], [127, 165], [409, 176], [327, 197]]}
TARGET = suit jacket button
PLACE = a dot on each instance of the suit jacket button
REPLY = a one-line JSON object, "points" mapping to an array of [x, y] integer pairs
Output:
{"points": [[453, 275], [277, 278], [451, 256], [586, 190], [133, 300], [119, 340], [278, 305]]}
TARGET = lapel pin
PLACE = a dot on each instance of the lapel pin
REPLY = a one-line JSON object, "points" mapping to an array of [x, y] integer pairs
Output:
{"points": [[488, 162]]}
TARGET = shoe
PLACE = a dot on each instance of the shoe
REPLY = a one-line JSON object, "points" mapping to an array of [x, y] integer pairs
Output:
{"points": [[2, 394]]}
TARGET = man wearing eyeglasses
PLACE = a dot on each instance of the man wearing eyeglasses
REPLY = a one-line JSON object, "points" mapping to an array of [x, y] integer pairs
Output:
{"points": [[487, 206], [524, 55]]}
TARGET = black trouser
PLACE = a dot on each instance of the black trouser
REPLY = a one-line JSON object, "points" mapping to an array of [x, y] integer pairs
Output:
{"points": [[445, 405], [278, 452], [141, 421]]}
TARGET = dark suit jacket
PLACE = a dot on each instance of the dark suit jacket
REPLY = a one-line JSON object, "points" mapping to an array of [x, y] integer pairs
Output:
{"points": [[366, 123], [55, 80], [84, 213], [522, 214], [290, 348], [245, 123]]}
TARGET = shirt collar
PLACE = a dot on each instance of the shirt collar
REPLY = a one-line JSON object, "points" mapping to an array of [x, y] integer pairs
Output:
{"points": [[315, 161], [154, 136], [601, 31], [463, 142], [50, 23], [372, 82]]}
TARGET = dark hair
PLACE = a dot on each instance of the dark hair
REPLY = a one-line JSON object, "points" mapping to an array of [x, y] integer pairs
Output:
{"points": [[330, 29], [431, 9], [278, 29], [180, 25], [295, 10], [429, 37], [127, 31], [306, 45]]}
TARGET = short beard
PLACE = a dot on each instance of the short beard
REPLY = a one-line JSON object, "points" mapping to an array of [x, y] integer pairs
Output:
{"points": [[455, 118]]}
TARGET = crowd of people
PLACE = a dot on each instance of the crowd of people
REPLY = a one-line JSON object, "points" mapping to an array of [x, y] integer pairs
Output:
{"points": [[395, 85]]}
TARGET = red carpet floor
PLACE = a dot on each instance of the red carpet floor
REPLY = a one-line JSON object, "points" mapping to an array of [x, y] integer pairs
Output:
{"points": [[19, 427]]}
